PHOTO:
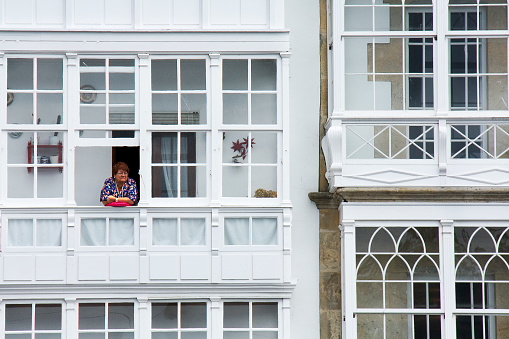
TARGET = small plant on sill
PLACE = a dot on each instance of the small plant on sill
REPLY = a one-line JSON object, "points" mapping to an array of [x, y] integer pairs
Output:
{"points": [[241, 148]]}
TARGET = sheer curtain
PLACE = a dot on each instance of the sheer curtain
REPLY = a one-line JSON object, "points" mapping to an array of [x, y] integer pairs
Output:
{"points": [[164, 231], [264, 231], [48, 232], [21, 232], [169, 156], [93, 232], [192, 231], [236, 231], [121, 232]]}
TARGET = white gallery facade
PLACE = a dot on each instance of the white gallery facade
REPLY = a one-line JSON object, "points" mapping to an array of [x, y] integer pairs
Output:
{"points": [[417, 147], [194, 96]]}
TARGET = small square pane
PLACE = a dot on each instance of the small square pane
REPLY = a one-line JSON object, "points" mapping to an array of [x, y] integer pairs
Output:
{"points": [[97, 80], [265, 335], [193, 109], [164, 232], [164, 182], [235, 108], [50, 182], [48, 336], [263, 75], [236, 335], [93, 232], [49, 108], [264, 147], [164, 75], [234, 74], [264, 109], [48, 232], [192, 74], [265, 315], [164, 335], [121, 232], [18, 317], [50, 74], [193, 315], [21, 108], [121, 81], [91, 317], [121, 316], [20, 232], [264, 231], [18, 336], [48, 317], [264, 181], [236, 231], [165, 109], [164, 315], [192, 231], [20, 183], [20, 73], [235, 181], [194, 335], [236, 315]]}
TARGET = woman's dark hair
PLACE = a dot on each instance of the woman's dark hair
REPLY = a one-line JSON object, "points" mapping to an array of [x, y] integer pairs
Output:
{"points": [[119, 166]]}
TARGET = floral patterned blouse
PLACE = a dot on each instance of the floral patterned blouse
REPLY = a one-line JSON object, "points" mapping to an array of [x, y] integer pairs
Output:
{"points": [[129, 190]]}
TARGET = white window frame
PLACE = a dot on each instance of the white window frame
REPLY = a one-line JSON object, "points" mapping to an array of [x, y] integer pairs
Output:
{"points": [[106, 330], [179, 329], [34, 304], [251, 248], [251, 329]]}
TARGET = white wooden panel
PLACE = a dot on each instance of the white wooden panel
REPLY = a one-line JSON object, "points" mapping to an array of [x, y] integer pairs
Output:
{"points": [[124, 267], [88, 12], [186, 12], [236, 266], [18, 12], [93, 267], [267, 266], [253, 12], [50, 12], [195, 267], [50, 268], [224, 12], [118, 12], [156, 12], [164, 267], [19, 268]]}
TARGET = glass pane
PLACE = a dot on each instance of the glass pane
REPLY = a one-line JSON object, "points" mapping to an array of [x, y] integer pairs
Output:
{"points": [[164, 75], [496, 92], [192, 231], [21, 108], [359, 18], [369, 270], [388, 18], [49, 74], [91, 316], [192, 147], [237, 146], [18, 317], [93, 73], [93, 232], [50, 182], [369, 326], [382, 242], [482, 242], [121, 81], [396, 295], [411, 242], [264, 147], [192, 74], [166, 335], [426, 270], [235, 179], [359, 93], [20, 73], [369, 294], [264, 231], [194, 335], [235, 107], [165, 109], [48, 317], [236, 315], [468, 270], [20, 232], [236, 231], [193, 315], [164, 315], [264, 109], [49, 108], [93, 114], [398, 325], [165, 148], [49, 232], [120, 335], [234, 74], [265, 335], [164, 182], [20, 183], [164, 232], [194, 109], [18, 336], [263, 75], [264, 182], [91, 336], [48, 336], [265, 315], [236, 335], [496, 17], [121, 316], [397, 270], [121, 232], [362, 238]]}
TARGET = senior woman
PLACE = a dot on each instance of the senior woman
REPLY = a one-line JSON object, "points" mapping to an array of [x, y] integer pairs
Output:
{"points": [[119, 190]]}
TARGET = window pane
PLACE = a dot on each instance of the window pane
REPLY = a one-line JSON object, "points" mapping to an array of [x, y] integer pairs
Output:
{"points": [[264, 147], [235, 74], [236, 231], [193, 315], [164, 75], [121, 232], [18, 317], [194, 335], [264, 109], [264, 231], [359, 18], [264, 182], [167, 335], [265, 315], [164, 232], [21, 232], [236, 315], [194, 109], [20, 111], [48, 317], [236, 335], [235, 181], [235, 108], [20, 73], [91, 336], [192, 231], [121, 316], [164, 315], [164, 182], [93, 232], [369, 325], [91, 316], [49, 74], [263, 75], [49, 232], [49, 108], [165, 109], [20, 183], [265, 335], [192, 74]]}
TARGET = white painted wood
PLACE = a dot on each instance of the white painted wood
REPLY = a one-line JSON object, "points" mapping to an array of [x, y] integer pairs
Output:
{"points": [[164, 267], [93, 267], [254, 12], [186, 12], [267, 266], [236, 266], [50, 12], [19, 12], [19, 268], [124, 267], [118, 12], [195, 266], [50, 268], [156, 12]]}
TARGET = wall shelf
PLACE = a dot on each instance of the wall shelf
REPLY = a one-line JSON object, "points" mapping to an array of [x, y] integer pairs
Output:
{"points": [[31, 156]]}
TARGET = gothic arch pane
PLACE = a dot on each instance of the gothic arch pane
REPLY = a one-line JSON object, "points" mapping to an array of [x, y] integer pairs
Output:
{"points": [[411, 242], [468, 270], [397, 270], [425, 270], [369, 269], [382, 242], [362, 237], [461, 238], [431, 239], [497, 270], [482, 241], [503, 245]]}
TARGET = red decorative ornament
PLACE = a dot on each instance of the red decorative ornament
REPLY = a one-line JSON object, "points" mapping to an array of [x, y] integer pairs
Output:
{"points": [[241, 148]]}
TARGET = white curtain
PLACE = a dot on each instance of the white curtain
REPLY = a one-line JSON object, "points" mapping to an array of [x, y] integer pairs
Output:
{"points": [[164, 232], [192, 231], [169, 155], [236, 231], [121, 232], [264, 231], [93, 232], [21, 232], [48, 232]]}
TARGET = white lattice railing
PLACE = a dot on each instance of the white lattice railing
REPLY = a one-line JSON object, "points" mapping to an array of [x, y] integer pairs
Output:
{"points": [[439, 152]]}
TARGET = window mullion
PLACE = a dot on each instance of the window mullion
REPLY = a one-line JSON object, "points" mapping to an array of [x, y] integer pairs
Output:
{"points": [[448, 299]]}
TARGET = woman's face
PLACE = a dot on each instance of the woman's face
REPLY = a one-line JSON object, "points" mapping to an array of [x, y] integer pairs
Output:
{"points": [[121, 176]]}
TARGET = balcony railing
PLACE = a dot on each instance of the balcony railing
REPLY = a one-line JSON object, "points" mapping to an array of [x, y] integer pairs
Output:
{"points": [[430, 153]]}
